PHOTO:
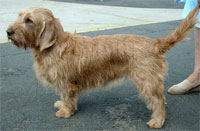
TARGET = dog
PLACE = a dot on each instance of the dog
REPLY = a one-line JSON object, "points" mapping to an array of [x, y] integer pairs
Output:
{"points": [[72, 64]]}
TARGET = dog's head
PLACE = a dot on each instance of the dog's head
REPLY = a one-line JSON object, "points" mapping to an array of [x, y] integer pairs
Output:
{"points": [[35, 28]]}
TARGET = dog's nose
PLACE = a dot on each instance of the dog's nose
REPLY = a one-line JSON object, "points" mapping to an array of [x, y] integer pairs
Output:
{"points": [[10, 32]]}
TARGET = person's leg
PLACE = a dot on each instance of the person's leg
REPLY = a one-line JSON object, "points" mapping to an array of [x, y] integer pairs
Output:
{"points": [[196, 74], [194, 79]]}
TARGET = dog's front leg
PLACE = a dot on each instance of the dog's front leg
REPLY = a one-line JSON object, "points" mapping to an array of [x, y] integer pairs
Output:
{"points": [[68, 103]]}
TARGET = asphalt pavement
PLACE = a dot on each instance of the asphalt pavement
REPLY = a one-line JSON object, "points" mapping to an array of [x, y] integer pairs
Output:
{"points": [[130, 3], [27, 106]]}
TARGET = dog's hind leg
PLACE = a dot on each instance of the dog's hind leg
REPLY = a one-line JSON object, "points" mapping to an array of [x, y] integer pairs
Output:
{"points": [[157, 105], [151, 89]]}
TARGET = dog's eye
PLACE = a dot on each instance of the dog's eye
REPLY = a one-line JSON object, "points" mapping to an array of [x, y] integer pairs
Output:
{"points": [[28, 20]]}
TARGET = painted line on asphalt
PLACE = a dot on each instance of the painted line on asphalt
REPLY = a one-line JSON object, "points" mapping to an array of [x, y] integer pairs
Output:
{"points": [[96, 29], [4, 41], [112, 27]]}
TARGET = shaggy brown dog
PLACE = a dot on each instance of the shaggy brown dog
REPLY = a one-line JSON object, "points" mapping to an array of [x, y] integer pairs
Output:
{"points": [[72, 63]]}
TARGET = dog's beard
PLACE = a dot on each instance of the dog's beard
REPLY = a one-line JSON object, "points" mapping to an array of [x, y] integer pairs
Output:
{"points": [[19, 41]]}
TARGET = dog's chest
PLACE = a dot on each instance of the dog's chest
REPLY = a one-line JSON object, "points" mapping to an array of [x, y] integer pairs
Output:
{"points": [[46, 74]]}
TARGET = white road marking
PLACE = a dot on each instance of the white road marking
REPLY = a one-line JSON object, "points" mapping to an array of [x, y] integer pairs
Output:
{"points": [[85, 18]]}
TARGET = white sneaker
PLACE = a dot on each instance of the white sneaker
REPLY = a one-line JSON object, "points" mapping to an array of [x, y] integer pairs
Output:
{"points": [[183, 87]]}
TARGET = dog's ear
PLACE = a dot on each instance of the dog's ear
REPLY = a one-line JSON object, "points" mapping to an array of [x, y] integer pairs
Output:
{"points": [[47, 36]]}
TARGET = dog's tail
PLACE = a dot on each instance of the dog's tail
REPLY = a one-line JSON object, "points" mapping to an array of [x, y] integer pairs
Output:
{"points": [[179, 33]]}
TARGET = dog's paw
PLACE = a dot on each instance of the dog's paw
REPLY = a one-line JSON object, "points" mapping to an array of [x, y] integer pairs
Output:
{"points": [[64, 113], [155, 123], [58, 104]]}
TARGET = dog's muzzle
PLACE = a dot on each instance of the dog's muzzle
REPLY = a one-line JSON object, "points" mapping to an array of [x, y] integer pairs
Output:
{"points": [[10, 32]]}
